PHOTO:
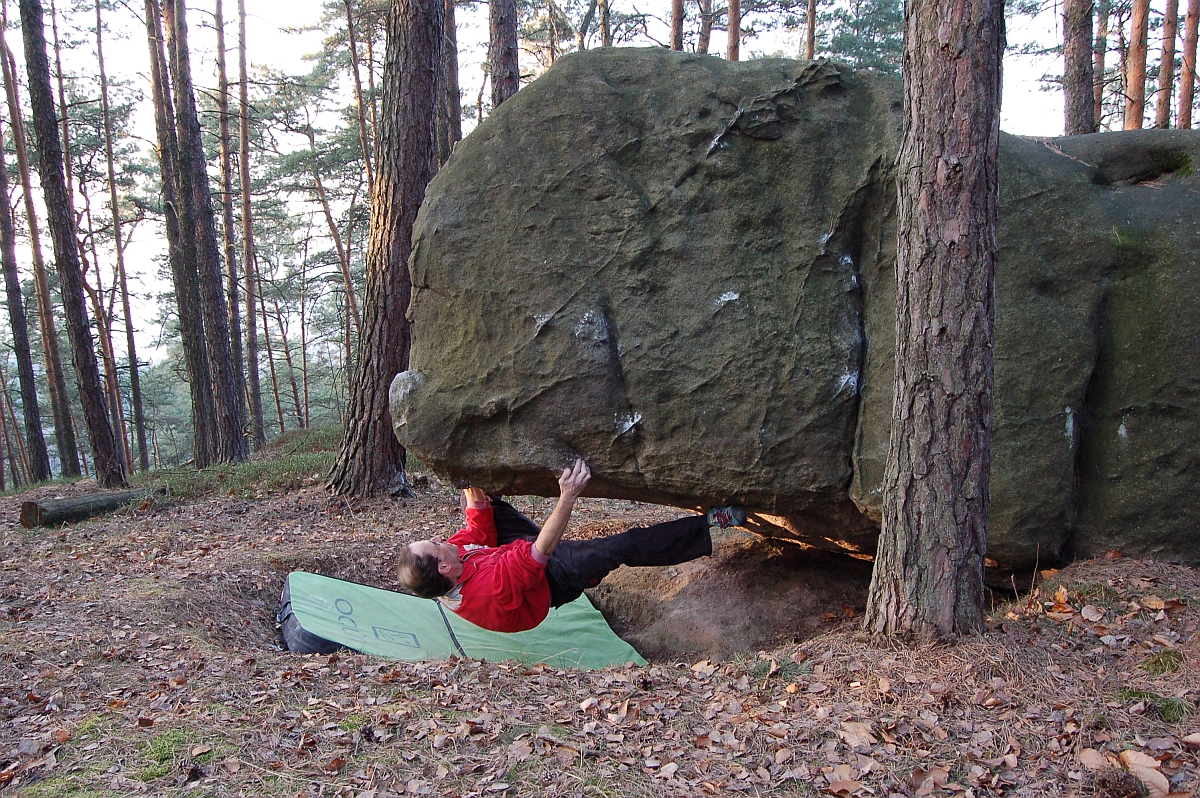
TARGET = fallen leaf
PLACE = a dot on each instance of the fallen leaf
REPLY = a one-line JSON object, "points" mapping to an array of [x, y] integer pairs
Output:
{"points": [[668, 771], [1060, 595], [332, 766], [1091, 613], [1153, 603], [200, 750], [924, 782], [144, 722], [704, 668], [499, 786], [783, 755], [1155, 782], [884, 686], [233, 764], [1092, 759], [1192, 739], [1130, 757], [62, 736], [844, 787]]}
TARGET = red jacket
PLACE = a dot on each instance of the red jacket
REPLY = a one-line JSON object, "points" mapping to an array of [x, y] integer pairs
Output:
{"points": [[503, 589]]}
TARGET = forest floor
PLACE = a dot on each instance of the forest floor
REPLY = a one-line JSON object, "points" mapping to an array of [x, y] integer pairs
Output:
{"points": [[138, 656]]}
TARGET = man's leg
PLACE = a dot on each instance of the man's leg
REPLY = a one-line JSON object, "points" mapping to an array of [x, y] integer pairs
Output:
{"points": [[511, 524], [579, 564]]}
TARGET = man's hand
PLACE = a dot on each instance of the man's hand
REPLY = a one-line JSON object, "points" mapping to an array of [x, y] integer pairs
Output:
{"points": [[574, 479], [570, 485]]}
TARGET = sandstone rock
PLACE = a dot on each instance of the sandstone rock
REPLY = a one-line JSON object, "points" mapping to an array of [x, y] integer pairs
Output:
{"points": [[682, 269]]}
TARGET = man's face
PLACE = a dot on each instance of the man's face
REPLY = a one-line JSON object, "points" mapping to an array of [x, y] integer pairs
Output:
{"points": [[449, 563]]}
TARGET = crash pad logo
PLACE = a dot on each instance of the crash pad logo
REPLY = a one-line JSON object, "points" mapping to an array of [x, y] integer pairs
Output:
{"points": [[407, 639]]}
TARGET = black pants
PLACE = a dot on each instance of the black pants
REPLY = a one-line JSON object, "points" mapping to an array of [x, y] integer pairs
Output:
{"points": [[579, 564]]}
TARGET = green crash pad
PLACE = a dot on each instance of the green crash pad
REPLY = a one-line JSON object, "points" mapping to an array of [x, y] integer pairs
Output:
{"points": [[399, 626]]}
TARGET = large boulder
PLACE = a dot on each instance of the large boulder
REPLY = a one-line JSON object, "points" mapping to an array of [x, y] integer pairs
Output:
{"points": [[682, 269]]}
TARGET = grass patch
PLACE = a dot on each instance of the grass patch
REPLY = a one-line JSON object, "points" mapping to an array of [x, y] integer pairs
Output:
{"points": [[1171, 710], [164, 747], [313, 439], [788, 671], [247, 480], [1169, 660], [59, 786], [353, 722], [155, 771]]}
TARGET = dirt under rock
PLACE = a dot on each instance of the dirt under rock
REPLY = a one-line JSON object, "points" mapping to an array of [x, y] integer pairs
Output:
{"points": [[752, 593]]}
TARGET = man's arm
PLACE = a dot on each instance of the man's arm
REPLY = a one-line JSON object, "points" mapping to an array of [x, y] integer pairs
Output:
{"points": [[570, 485]]}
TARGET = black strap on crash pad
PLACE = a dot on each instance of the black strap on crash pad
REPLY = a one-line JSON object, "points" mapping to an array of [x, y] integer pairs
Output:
{"points": [[446, 621]]}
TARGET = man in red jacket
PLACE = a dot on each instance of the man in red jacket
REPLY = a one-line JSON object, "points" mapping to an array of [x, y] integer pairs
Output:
{"points": [[503, 573]]}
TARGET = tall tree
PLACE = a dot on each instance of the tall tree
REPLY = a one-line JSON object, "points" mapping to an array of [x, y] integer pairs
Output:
{"points": [[135, 384], [1187, 81], [370, 460], [503, 67], [227, 226], [810, 25], [1078, 104], [364, 136], [39, 458], [1166, 66], [1099, 51], [60, 405], [606, 39], [1135, 70], [733, 49], [704, 37], [676, 24], [249, 266], [450, 93], [110, 470], [928, 574], [197, 221], [180, 248]]}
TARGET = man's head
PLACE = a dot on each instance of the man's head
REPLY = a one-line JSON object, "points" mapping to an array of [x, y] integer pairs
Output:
{"points": [[429, 568]]}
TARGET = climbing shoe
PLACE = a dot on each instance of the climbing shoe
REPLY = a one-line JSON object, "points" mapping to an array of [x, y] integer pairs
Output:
{"points": [[725, 517]]}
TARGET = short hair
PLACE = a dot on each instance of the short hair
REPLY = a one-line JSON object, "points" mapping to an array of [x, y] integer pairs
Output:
{"points": [[419, 573]]}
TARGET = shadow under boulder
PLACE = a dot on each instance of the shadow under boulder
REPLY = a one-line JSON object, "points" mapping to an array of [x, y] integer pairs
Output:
{"points": [[750, 594]]}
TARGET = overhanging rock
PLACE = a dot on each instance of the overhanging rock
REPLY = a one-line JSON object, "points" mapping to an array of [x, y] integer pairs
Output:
{"points": [[682, 269]]}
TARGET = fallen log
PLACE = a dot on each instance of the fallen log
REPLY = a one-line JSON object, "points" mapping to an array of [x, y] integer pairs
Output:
{"points": [[76, 508]]}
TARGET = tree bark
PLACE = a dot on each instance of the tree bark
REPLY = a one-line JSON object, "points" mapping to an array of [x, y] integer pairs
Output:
{"points": [[704, 38], [364, 137], [504, 69], [1078, 101], [110, 471], [262, 304], [810, 24], [370, 460], [228, 229], [453, 89], [249, 262], [1135, 87], [197, 221], [1166, 69], [605, 24], [734, 46], [135, 383], [1099, 51], [1187, 81], [60, 405], [39, 458], [928, 573], [179, 248], [677, 24], [287, 358]]}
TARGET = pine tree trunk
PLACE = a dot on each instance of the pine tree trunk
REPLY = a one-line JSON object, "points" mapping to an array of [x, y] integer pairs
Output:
{"points": [[364, 136], [39, 458], [810, 36], [16, 431], [1078, 102], [734, 46], [304, 338], [706, 23], [262, 304], [335, 234], [135, 383], [1135, 88], [8, 447], [179, 249], [254, 385], [110, 471], [505, 70], [677, 24], [197, 220], [228, 229], [1166, 68], [60, 405], [453, 89], [287, 358], [605, 24], [1099, 52], [928, 573], [370, 460], [1187, 81]]}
